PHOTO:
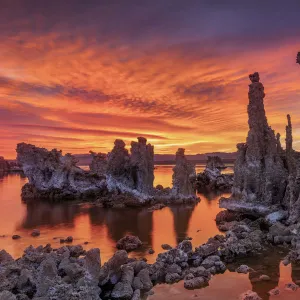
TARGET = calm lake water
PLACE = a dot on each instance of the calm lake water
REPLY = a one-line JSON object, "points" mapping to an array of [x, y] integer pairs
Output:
{"points": [[104, 227]]}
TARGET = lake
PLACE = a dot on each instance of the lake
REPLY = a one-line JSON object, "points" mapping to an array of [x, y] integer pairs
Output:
{"points": [[102, 228]]}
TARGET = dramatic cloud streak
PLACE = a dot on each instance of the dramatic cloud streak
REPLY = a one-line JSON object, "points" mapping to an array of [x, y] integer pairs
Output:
{"points": [[76, 75]]}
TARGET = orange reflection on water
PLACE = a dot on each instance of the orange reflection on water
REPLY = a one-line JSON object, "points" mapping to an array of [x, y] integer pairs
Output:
{"points": [[102, 228]]}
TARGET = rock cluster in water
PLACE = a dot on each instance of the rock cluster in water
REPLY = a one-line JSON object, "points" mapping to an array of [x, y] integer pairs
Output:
{"points": [[119, 178], [212, 179], [265, 175], [72, 273]]}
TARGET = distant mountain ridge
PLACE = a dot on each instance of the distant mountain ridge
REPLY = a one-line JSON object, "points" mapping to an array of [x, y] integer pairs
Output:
{"points": [[228, 157]]}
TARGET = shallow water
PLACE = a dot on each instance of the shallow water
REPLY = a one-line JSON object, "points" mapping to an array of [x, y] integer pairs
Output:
{"points": [[104, 227]]}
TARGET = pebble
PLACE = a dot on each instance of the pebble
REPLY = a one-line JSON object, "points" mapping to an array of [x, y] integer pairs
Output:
{"points": [[35, 233]]}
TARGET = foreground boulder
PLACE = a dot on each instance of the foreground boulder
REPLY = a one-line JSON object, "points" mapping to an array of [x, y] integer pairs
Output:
{"points": [[129, 243]]}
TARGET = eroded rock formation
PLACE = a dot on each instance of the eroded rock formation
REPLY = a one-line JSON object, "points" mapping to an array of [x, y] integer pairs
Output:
{"points": [[4, 165], [142, 165], [118, 165], [260, 176], [215, 162], [118, 179], [211, 179], [184, 174], [266, 177], [298, 58], [52, 175], [99, 163]]}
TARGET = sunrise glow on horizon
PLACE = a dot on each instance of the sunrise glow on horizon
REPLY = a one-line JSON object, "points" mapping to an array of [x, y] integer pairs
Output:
{"points": [[76, 77]]}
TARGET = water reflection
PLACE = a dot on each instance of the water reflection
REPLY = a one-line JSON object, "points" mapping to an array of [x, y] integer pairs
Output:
{"points": [[104, 227], [101, 227]]}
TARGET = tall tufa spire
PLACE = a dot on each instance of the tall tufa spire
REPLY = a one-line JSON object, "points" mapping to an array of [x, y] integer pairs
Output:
{"points": [[289, 136], [298, 58]]}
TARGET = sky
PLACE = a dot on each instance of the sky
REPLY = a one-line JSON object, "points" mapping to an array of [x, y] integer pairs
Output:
{"points": [[75, 75]]}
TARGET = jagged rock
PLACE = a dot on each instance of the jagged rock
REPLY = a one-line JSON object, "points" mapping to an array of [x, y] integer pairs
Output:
{"points": [[249, 295], [215, 162], [243, 269], [25, 283], [5, 257], [128, 179], [136, 295], [195, 283], [183, 175], [6, 295], [274, 292], [52, 175], [93, 262], [291, 286], [166, 246], [151, 251], [99, 163], [123, 289], [4, 165], [172, 278], [118, 165], [144, 277], [129, 243], [157, 206], [35, 232], [142, 165], [186, 246], [212, 178], [298, 58], [292, 194], [260, 177], [111, 270]]}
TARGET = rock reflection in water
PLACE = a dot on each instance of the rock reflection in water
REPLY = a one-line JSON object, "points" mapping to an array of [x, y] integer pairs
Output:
{"points": [[263, 265], [100, 227]]}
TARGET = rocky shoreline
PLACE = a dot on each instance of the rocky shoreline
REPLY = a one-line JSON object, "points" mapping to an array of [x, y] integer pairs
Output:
{"points": [[70, 272]]}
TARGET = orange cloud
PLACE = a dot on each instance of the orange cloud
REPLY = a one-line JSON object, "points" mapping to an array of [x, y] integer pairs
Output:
{"points": [[77, 94]]}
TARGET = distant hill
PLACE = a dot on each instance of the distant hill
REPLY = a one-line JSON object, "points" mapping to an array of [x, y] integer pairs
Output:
{"points": [[85, 159]]}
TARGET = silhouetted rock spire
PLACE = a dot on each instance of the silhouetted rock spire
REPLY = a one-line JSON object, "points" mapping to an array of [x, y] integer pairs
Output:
{"points": [[183, 175], [142, 164], [259, 174]]}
